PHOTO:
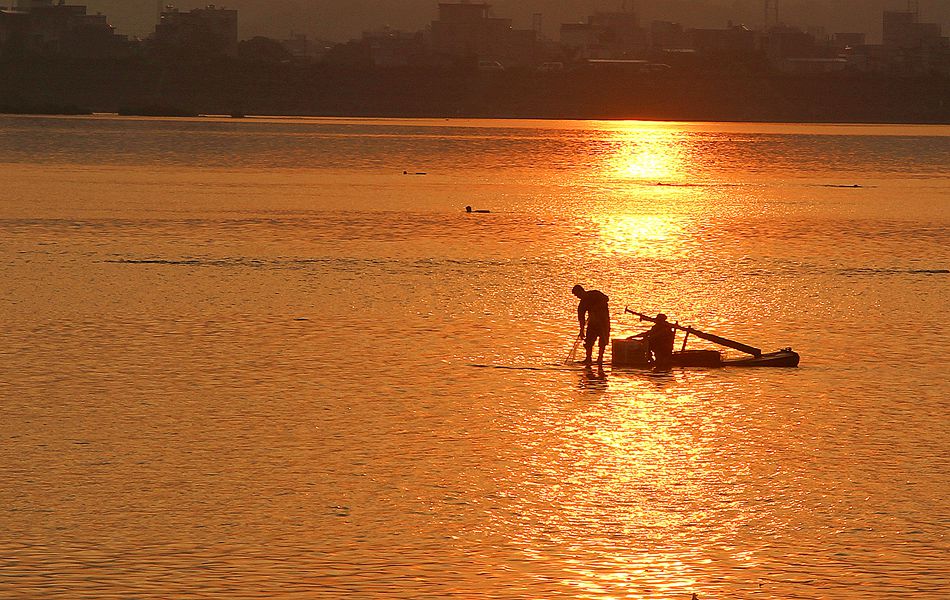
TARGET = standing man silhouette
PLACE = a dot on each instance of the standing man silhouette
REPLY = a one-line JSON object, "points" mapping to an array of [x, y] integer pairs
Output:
{"points": [[594, 312]]}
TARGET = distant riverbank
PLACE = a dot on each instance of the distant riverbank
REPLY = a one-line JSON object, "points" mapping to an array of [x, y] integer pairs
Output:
{"points": [[317, 90]]}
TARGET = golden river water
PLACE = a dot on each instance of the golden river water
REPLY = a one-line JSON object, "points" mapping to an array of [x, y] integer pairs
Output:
{"points": [[236, 360]]}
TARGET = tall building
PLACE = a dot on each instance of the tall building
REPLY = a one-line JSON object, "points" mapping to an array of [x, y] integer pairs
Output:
{"points": [[40, 27], [469, 30], [201, 33], [915, 48], [910, 48], [903, 30], [609, 35], [784, 42], [667, 35]]}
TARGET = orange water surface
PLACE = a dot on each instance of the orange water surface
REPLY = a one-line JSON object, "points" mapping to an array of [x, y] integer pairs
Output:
{"points": [[237, 360]]}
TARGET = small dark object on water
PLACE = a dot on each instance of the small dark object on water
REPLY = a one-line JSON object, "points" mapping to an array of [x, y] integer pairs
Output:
{"points": [[416, 173], [468, 209]]}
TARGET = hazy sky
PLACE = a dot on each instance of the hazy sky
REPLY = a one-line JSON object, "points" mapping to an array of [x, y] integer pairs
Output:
{"points": [[340, 20]]}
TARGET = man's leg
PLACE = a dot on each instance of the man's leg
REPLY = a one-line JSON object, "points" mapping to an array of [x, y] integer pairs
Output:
{"points": [[590, 337]]}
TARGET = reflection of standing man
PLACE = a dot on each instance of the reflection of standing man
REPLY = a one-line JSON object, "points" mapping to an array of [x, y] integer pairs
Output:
{"points": [[595, 313]]}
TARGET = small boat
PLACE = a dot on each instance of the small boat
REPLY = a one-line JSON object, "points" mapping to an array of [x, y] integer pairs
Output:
{"points": [[633, 353]]}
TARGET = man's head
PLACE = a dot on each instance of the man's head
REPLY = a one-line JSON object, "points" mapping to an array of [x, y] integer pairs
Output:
{"points": [[578, 290], [661, 318]]}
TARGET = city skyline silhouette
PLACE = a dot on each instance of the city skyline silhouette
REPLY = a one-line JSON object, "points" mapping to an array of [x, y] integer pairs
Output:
{"points": [[339, 20]]}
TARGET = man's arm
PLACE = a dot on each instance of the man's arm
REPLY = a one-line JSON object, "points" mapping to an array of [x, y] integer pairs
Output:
{"points": [[644, 334]]}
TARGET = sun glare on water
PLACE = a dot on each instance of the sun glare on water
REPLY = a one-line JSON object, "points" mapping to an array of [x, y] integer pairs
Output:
{"points": [[648, 152], [646, 165]]}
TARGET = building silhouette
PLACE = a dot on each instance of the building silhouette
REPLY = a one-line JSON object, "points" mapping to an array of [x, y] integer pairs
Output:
{"points": [[668, 36], [912, 47], [201, 33], [735, 42], [60, 30], [605, 35], [469, 31], [389, 47], [467, 34]]}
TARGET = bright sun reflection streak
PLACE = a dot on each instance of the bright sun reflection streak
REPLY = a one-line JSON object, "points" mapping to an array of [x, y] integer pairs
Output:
{"points": [[647, 152], [639, 460], [635, 497], [650, 153]]}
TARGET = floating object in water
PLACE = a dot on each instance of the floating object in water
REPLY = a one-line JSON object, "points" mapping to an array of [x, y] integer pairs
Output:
{"points": [[469, 209]]}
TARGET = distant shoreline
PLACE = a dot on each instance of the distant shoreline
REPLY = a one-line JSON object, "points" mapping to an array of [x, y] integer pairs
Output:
{"points": [[319, 91], [251, 117]]}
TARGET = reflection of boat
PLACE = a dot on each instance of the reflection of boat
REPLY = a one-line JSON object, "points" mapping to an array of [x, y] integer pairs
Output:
{"points": [[633, 352]]}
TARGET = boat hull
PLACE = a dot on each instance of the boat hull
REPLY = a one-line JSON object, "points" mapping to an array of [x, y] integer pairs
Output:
{"points": [[632, 353], [782, 358]]}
